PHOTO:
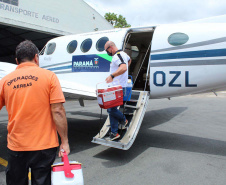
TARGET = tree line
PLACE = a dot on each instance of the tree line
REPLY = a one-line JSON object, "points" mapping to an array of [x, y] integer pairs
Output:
{"points": [[118, 21]]}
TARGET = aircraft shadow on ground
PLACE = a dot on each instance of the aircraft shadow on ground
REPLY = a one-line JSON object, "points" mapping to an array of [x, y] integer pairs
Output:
{"points": [[3, 143], [159, 139], [81, 132], [89, 114], [4, 121]]}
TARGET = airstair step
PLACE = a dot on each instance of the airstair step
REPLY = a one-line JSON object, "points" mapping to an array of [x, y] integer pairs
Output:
{"points": [[131, 103], [135, 95], [131, 106], [133, 100], [128, 111]]}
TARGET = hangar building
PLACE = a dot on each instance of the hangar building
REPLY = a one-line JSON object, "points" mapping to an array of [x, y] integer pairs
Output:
{"points": [[42, 20]]}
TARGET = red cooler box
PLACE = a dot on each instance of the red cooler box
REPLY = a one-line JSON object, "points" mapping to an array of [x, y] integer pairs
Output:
{"points": [[110, 97]]}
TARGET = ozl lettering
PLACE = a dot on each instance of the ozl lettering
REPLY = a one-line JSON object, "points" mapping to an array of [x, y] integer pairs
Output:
{"points": [[159, 79]]}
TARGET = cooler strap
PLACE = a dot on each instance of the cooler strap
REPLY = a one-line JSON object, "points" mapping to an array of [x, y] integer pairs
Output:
{"points": [[67, 168]]}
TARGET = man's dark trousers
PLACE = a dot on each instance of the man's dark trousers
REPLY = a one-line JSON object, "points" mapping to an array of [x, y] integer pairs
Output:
{"points": [[39, 161]]}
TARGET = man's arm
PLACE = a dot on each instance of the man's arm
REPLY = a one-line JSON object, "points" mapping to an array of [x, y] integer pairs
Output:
{"points": [[129, 62], [59, 117], [122, 69]]}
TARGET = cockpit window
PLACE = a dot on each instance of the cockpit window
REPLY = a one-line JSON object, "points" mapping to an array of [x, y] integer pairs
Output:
{"points": [[177, 39], [100, 43], [50, 48], [71, 47], [86, 45]]}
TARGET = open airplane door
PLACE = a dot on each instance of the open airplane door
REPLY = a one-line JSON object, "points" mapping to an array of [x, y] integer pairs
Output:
{"points": [[134, 111]]}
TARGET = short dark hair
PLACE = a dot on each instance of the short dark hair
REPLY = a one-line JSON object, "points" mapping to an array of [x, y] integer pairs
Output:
{"points": [[26, 50]]}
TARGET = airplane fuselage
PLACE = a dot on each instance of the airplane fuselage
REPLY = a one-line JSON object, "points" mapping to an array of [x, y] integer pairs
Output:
{"points": [[167, 60]]}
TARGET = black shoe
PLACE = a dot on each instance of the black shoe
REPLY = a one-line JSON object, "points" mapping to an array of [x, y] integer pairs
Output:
{"points": [[113, 137]]}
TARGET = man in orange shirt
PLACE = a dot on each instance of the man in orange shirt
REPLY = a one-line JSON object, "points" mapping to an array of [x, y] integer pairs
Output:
{"points": [[34, 101]]}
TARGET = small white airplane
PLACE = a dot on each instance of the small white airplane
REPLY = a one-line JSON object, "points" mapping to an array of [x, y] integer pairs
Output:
{"points": [[167, 61]]}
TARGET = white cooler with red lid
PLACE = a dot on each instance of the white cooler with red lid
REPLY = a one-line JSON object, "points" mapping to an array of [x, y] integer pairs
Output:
{"points": [[67, 173]]}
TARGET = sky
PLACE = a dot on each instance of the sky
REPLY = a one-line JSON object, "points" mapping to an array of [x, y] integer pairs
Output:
{"points": [[154, 12]]}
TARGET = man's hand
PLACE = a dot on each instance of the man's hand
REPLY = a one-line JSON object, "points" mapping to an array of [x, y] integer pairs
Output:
{"points": [[109, 79], [64, 147]]}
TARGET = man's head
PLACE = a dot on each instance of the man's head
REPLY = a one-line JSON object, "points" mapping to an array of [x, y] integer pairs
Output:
{"points": [[110, 48], [26, 51]]}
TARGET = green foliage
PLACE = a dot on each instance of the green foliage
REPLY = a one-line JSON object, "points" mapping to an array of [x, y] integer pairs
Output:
{"points": [[116, 21]]}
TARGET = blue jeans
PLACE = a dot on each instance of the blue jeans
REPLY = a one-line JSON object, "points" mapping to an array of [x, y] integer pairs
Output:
{"points": [[115, 117]]}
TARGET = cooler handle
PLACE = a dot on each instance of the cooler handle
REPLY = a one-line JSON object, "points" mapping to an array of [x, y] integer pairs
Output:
{"points": [[67, 168], [107, 83]]}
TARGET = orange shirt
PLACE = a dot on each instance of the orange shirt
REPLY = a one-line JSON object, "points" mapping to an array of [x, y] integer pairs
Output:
{"points": [[27, 93]]}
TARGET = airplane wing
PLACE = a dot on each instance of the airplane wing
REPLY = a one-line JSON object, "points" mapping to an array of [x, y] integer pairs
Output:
{"points": [[6, 68], [2, 74], [74, 90]]}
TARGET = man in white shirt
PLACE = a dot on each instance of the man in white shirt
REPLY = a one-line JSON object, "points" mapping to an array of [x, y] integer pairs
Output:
{"points": [[118, 70]]}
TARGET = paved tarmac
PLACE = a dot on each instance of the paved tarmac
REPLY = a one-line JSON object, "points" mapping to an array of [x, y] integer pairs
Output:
{"points": [[182, 141]]}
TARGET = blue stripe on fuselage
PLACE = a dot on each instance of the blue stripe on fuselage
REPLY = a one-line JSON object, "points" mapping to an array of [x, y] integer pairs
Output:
{"points": [[190, 54], [60, 68]]}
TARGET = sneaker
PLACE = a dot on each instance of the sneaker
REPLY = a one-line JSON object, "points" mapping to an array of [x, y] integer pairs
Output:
{"points": [[122, 125], [113, 137]]}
